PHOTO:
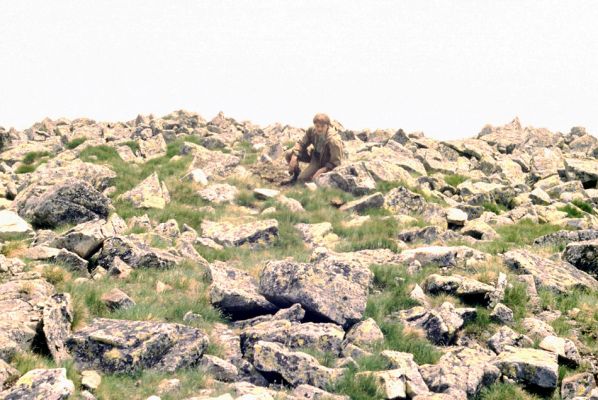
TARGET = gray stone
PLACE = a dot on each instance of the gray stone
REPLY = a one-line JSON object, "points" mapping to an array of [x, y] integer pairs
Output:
{"points": [[375, 200], [532, 367], [41, 384], [117, 299], [583, 255], [230, 235]]}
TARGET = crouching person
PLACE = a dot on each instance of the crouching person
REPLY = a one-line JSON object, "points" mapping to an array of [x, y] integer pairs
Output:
{"points": [[321, 147]]}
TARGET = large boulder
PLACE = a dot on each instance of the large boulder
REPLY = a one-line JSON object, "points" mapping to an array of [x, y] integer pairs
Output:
{"points": [[401, 200], [12, 224], [295, 367], [235, 292], [352, 178], [467, 288], [556, 275], [41, 384], [461, 369], [584, 170], [537, 368], [252, 234], [134, 253], [441, 324], [583, 255], [332, 289], [68, 202], [87, 238], [565, 237], [150, 193], [112, 345]]}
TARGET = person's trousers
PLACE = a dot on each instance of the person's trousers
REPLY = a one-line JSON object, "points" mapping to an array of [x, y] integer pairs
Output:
{"points": [[307, 157]]}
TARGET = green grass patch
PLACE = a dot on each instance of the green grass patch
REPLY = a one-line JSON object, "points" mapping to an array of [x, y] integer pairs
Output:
{"points": [[517, 298], [572, 211], [502, 391], [583, 205], [494, 207], [72, 144], [31, 161], [455, 179]]}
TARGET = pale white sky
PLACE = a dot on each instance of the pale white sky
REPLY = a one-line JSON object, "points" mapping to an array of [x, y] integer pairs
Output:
{"points": [[443, 67]]}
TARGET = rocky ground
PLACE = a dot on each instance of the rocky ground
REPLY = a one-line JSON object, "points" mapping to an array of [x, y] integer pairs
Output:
{"points": [[166, 258]]}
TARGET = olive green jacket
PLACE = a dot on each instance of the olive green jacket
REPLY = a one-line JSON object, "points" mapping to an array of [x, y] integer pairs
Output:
{"points": [[328, 147]]}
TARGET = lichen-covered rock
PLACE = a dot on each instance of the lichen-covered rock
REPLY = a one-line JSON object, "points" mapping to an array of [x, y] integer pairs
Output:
{"points": [[68, 202], [442, 256], [11, 224], [365, 334], [214, 163], [506, 336], [401, 200], [219, 193], [220, 369], [583, 255], [390, 383], [502, 314], [414, 383], [332, 289], [353, 178], [462, 369], [565, 237], [456, 217], [564, 348], [479, 230], [253, 234], [584, 170], [8, 374], [41, 384], [150, 193], [57, 318], [295, 367], [375, 200], [536, 328], [112, 345], [578, 385], [116, 299], [87, 238], [467, 288], [308, 392], [320, 234], [532, 367], [235, 292], [441, 324], [134, 253], [556, 275]]}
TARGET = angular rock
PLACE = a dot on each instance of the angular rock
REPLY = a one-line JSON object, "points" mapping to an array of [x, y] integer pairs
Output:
{"points": [[265, 193], [219, 193], [41, 384], [537, 368], [353, 178], [506, 336], [70, 202], [578, 385], [584, 170], [583, 255], [148, 194], [564, 237], [134, 253], [220, 369], [365, 334], [556, 275], [456, 217], [320, 234], [479, 230], [308, 392], [537, 328], [87, 238], [8, 374], [401, 200], [57, 319], [126, 346], [119, 268], [151, 148], [290, 203], [90, 380], [235, 292], [213, 163], [229, 235], [463, 369], [414, 383], [467, 288], [441, 324], [117, 299], [502, 314], [442, 256], [564, 348], [331, 289], [375, 200], [295, 367], [11, 224], [391, 383]]}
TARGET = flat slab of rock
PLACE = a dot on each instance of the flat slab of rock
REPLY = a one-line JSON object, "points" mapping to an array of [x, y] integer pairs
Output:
{"points": [[12, 224], [236, 293], [441, 324], [332, 289], [151, 193], [375, 200], [320, 234], [134, 253], [69, 202], [231, 235], [583, 255], [112, 345], [57, 319], [584, 170], [532, 367], [219, 193], [295, 367], [443, 256], [401, 200], [462, 286], [556, 275], [565, 237], [353, 178], [41, 384]]}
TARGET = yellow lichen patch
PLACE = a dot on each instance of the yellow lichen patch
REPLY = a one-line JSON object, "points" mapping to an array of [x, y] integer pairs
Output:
{"points": [[114, 354]]}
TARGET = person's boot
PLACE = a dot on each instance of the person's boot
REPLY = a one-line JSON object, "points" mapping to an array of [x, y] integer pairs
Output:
{"points": [[294, 176]]}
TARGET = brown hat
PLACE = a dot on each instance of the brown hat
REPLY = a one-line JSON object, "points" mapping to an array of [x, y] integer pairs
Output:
{"points": [[322, 118]]}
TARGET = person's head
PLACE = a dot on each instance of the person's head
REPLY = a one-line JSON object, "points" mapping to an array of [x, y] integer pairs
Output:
{"points": [[321, 123]]}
